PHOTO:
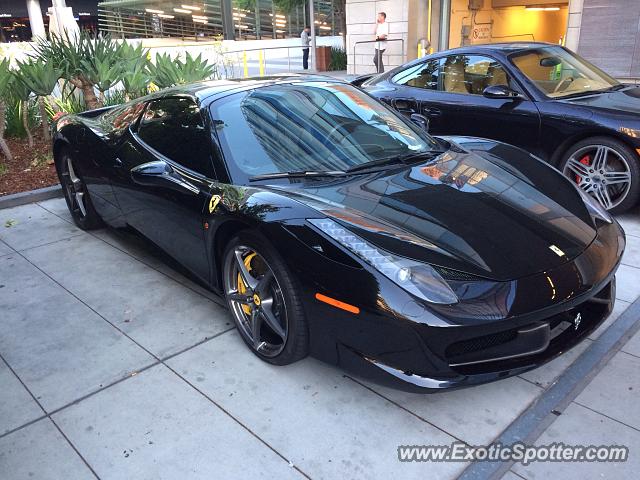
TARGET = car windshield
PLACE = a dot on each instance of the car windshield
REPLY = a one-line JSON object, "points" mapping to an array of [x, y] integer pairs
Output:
{"points": [[560, 73], [312, 126]]}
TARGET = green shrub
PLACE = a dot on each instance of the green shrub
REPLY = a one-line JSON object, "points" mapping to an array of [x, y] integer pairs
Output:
{"points": [[338, 59]]}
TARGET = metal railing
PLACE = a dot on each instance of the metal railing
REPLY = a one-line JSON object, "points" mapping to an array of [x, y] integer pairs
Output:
{"points": [[404, 54], [262, 57]]}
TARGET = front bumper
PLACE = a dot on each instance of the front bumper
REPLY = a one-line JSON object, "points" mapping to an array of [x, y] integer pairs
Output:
{"points": [[423, 354], [484, 357]]}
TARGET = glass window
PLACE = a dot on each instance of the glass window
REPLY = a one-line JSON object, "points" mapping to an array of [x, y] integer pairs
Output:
{"points": [[174, 127], [558, 72], [471, 74], [310, 126], [423, 75]]}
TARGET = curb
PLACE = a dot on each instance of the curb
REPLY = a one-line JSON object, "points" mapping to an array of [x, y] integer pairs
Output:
{"points": [[31, 196]]}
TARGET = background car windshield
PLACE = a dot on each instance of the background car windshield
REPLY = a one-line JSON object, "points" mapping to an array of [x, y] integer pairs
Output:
{"points": [[559, 73], [311, 126]]}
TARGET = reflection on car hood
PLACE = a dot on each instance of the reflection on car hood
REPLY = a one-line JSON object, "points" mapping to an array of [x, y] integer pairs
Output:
{"points": [[627, 100], [466, 211]]}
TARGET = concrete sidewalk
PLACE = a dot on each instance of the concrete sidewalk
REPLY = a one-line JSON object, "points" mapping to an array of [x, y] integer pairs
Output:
{"points": [[115, 365]]}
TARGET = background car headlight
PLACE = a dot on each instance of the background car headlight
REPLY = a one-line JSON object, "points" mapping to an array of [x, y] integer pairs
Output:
{"points": [[417, 278], [595, 209]]}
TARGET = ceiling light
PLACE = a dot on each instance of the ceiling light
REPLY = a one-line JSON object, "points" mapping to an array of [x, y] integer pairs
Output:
{"points": [[189, 7], [181, 10], [151, 10]]}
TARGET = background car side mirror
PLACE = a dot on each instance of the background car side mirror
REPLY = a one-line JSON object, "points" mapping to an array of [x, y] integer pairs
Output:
{"points": [[420, 120], [500, 91]]}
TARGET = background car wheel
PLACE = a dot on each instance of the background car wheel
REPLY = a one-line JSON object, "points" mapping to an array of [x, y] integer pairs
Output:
{"points": [[264, 300], [76, 194], [607, 170]]}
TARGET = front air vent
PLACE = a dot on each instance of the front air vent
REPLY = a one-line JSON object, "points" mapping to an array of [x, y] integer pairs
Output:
{"points": [[449, 274]]}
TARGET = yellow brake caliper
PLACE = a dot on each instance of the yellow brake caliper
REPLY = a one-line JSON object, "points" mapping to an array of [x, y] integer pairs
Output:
{"points": [[242, 288]]}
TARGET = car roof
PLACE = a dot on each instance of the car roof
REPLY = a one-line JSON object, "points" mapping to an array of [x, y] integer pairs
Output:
{"points": [[211, 89], [505, 47]]}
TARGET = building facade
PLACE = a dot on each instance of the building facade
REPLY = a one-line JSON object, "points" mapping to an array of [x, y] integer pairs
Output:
{"points": [[606, 32]]}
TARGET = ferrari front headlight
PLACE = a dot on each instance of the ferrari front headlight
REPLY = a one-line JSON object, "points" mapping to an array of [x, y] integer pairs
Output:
{"points": [[419, 279]]}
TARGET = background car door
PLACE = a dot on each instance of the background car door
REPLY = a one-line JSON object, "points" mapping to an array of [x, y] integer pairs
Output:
{"points": [[452, 97], [164, 173]]}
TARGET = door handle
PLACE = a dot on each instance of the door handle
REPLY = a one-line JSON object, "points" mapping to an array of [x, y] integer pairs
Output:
{"points": [[404, 104]]}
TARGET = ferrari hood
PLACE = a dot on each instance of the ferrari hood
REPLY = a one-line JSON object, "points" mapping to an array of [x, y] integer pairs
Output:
{"points": [[470, 212]]}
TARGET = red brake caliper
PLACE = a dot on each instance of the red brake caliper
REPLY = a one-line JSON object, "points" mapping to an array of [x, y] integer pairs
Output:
{"points": [[585, 161]]}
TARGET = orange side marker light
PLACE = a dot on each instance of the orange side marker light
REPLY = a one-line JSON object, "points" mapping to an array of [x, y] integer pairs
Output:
{"points": [[337, 303]]}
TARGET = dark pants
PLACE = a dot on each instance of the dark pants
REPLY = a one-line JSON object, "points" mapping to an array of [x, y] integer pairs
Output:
{"points": [[377, 56], [305, 58]]}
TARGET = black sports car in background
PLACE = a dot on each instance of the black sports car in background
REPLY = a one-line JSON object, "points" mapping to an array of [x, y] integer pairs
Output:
{"points": [[537, 96], [336, 227]]}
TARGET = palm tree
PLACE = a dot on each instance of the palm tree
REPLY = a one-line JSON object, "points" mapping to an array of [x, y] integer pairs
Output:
{"points": [[21, 92], [5, 80], [40, 78], [86, 63]]}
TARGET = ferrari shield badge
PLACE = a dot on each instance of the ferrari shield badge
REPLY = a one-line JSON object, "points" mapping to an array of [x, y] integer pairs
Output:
{"points": [[213, 203]]}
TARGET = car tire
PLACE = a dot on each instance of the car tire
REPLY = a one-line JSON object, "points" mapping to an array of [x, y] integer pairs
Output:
{"points": [[621, 166], [276, 292], [76, 194]]}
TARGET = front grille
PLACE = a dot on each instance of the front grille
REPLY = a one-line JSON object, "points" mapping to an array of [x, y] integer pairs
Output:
{"points": [[479, 343]]}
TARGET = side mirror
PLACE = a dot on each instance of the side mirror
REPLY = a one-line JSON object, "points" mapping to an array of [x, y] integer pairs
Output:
{"points": [[420, 120], [500, 91]]}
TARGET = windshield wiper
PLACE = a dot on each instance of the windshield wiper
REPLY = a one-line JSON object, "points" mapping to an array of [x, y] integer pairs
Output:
{"points": [[394, 160], [298, 174]]}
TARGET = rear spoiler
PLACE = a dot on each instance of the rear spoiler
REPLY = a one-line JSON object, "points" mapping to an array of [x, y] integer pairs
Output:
{"points": [[362, 78]]}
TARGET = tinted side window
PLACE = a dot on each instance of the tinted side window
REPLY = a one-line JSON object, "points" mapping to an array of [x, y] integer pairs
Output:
{"points": [[424, 75], [471, 74], [174, 127]]}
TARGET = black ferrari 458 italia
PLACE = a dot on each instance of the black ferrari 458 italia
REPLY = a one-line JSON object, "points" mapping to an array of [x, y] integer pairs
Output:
{"points": [[537, 96], [336, 227]]}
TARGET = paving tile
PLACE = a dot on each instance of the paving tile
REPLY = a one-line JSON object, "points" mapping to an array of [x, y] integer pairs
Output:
{"points": [[160, 314], [4, 248], [546, 375], [142, 249], [631, 254], [581, 426], [40, 452], [630, 222], [325, 423], [619, 307], [627, 284], [33, 226], [614, 391], [155, 425], [57, 206], [16, 405], [511, 476], [58, 347], [494, 407], [633, 345]]}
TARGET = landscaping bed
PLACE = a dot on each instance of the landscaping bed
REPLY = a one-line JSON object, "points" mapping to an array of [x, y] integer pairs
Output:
{"points": [[31, 168]]}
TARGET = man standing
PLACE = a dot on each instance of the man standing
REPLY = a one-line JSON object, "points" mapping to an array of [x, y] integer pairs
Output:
{"points": [[382, 32], [306, 39]]}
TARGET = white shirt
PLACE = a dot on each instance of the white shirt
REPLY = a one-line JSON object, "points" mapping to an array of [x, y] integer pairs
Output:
{"points": [[304, 36], [382, 29]]}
